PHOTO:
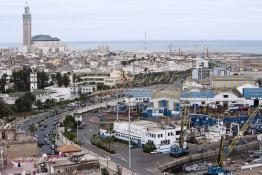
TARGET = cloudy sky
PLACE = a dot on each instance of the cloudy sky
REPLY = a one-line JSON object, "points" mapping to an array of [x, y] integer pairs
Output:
{"points": [[100, 20]]}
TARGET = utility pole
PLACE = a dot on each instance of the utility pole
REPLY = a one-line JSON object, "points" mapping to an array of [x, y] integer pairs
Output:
{"points": [[129, 141], [117, 112]]}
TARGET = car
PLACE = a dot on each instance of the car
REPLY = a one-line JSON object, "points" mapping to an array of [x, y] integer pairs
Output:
{"points": [[40, 144], [154, 152], [84, 124]]}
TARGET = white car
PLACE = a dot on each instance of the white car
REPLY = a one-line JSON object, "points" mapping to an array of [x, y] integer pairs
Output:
{"points": [[154, 152]]}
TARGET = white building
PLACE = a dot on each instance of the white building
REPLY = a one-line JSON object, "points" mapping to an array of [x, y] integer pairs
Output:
{"points": [[33, 81], [143, 131], [84, 89], [55, 93], [109, 79]]}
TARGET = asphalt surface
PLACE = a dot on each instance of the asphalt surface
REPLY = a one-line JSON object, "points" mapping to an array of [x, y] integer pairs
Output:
{"points": [[142, 163]]}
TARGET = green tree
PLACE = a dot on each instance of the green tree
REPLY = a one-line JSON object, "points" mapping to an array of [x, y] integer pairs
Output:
{"points": [[42, 80], [104, 171], [39, 104], [25, 102], [6, 111], [3, 83], [59, 79], [32, 129], [149, 147], [66, 80], [109, 139], [69, 123], [21, 80]]}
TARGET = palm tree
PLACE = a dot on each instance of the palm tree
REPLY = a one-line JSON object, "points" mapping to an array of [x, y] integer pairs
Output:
{"points": [[32, 128], [109, 139]]}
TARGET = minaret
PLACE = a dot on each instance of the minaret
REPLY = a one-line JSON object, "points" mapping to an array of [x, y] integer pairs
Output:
{"points": [[27, 28]]}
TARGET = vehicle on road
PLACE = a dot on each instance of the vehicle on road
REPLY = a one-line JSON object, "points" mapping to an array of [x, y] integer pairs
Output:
{"points": [[154, 152]]}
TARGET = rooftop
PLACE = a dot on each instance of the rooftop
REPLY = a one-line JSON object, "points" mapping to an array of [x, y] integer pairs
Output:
{"points": [[233, 78], [139, 93], [69, 148], [44, 38], [196, 94]]}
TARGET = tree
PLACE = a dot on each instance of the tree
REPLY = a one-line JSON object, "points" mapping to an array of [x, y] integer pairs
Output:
{"points": [[21, 80], [149, 147], [42, 80], [32, 129], [69, 123], [104, 171], [259, 81], [59, 79], [3, 83], [5, 110], [66, 80], [25, 102], [109, 139], [39, 104]]}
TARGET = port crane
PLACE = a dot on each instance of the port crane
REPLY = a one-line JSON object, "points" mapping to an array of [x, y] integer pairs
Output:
{"points": [[225, 151]]}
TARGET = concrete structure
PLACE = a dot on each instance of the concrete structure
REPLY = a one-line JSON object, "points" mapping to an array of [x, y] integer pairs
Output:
{"points": [[44, 44], [82, 163], [12, 142], [138, 95], [109, 79], [202, 73], [55, 93], [33, 81], [27, 28], [231, 82], [143, 131], [83, 89]]}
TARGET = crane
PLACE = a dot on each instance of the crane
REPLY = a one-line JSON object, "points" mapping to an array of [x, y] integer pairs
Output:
{"points": [[224, 152]]}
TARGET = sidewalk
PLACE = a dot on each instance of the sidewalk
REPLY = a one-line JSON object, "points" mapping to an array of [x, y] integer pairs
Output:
{"points": [[104, 161]]}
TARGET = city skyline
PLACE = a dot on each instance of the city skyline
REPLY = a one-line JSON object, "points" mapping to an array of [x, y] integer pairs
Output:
{"points": [[117, 20]]}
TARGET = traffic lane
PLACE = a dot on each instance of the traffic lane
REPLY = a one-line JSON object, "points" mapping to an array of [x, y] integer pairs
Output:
{"points": [[141, 162]]}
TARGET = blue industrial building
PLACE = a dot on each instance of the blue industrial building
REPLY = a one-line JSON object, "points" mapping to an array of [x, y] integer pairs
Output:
{"points": [[197, 94], [252, 93]]}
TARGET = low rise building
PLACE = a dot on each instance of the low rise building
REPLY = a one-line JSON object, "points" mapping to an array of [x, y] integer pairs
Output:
{"points": [[143, 131], [12, 142], [82, 163], [110, 79], [231, 82], [138, 95]]}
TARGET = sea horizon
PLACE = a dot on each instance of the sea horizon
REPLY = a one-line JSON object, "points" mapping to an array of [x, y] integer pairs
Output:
{"points": [[227, 46]]}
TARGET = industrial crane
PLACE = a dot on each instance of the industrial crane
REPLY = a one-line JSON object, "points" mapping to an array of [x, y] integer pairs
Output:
{"points": [[224, 152]]}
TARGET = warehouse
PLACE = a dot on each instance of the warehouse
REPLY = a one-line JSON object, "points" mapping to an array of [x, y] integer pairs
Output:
{"points": [[143, 131]]}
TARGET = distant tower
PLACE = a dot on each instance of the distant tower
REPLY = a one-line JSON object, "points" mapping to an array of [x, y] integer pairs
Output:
{"points": [[33, 81], [27, 28]]}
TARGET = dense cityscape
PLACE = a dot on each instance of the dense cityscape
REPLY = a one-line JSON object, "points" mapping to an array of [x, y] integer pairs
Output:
{"points": [[102, 111]]}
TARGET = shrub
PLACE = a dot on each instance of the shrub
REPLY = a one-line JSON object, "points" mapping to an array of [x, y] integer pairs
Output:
{"points": [[149, 147]]}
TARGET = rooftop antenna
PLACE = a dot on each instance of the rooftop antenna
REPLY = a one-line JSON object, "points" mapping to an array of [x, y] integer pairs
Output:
{"points": [[145, 42]]}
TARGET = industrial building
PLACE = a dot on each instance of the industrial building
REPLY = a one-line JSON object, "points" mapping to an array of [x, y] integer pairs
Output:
{"points": [[143, 131], [231, 82], [138, 95]]}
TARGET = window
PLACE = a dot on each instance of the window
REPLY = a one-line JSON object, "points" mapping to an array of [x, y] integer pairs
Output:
{"points": [[225, 96], [165, 142], [168, 134]]}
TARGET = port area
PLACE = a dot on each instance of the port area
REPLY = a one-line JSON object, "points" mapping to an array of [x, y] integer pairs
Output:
{"points": [[241, 156]]}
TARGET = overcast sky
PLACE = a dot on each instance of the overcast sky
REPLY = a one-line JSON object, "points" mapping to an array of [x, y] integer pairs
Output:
{"points": [[93, 20]]}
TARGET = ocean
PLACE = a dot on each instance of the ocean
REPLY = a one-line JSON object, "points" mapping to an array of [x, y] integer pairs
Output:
{"points": [[254, 47]]}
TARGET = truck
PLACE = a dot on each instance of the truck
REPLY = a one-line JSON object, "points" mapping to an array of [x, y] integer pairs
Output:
{"points": [[177, 151]]}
